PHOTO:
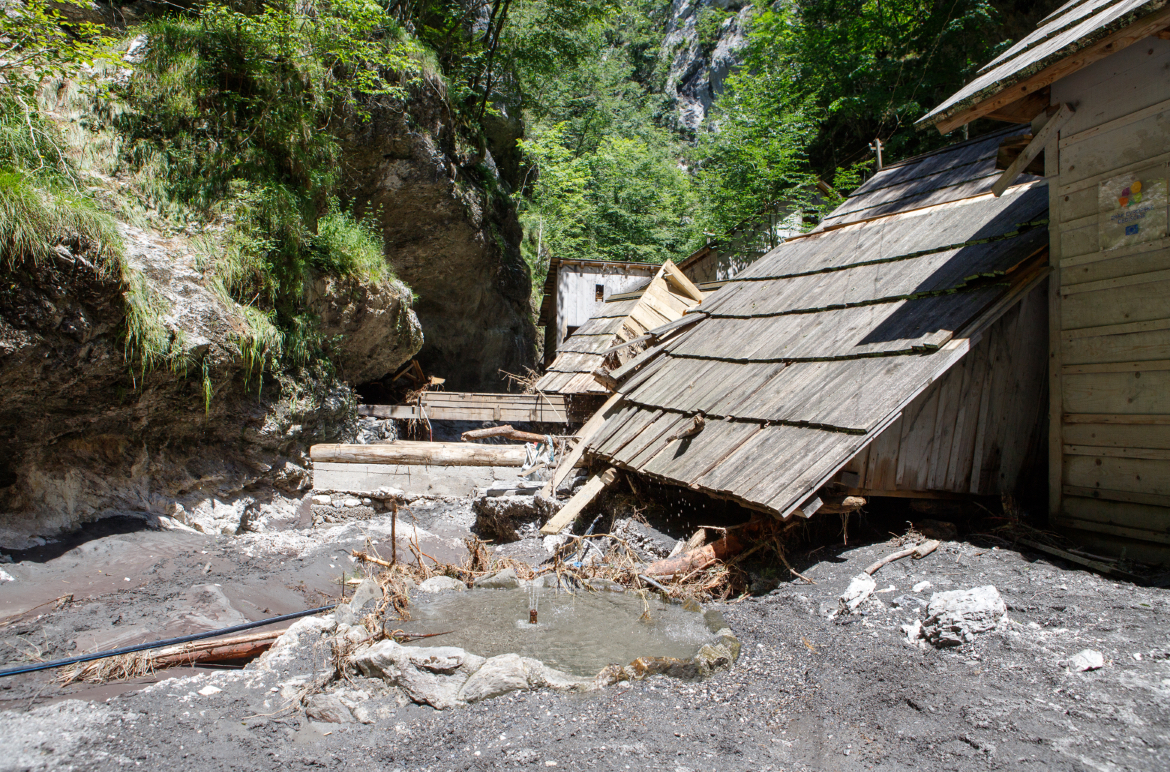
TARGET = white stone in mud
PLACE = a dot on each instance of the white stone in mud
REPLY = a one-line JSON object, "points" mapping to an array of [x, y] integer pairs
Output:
{"points": [[1086, 660], [440, 583], [302, 648], [956, 617], [433, 675], [511, 672], [329, 709], [860, 588], [501, 580]]}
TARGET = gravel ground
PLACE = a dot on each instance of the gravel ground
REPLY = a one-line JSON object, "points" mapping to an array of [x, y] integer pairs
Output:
{"points": [[808, 692]]}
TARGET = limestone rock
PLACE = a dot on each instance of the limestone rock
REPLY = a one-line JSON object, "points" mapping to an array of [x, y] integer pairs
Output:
{"points": [[860, 588], [455, 244], [501, 517], [440, 583], [698, 62], [511, 672], [501, 580], [956, 617], [1086, 660], [301, 649], [433, 676], [370, 328], [329, 709]]}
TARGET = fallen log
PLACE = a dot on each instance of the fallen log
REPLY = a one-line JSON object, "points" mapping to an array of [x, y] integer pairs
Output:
{"points": [[421, 454], [918, 551], [240, 647], [505, 431], [731, 543], [136, 665]]}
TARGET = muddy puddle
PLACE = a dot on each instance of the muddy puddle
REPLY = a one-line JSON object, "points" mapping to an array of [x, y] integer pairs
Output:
{"points": [[579, 633]]}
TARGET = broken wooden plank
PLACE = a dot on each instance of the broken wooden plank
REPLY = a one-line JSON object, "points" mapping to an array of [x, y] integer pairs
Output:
{"points": [[640, 339], [1096, 565], [580, 500], [676, 277], [586, 433], [1033, 149], [683, 321], [636, 364]]}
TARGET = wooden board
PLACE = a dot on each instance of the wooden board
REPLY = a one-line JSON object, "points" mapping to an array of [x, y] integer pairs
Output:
{"points": [[1118, 393], [421, 453], [1134, 475], [582, 498], [1129, 437]]}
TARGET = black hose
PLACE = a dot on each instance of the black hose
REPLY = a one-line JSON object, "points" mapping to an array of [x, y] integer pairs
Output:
{"points": [[159, 644]]}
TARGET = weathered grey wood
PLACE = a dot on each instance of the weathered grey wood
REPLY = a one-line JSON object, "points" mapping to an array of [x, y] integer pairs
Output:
{"points": [[1033, 148], [581, 499], [584, 436], [421, 453]]}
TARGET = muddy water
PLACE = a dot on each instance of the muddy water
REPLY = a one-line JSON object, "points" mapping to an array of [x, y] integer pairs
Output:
{"points": [[579, 633]]}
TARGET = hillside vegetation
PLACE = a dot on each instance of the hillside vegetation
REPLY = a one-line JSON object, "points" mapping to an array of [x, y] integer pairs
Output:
{"points": [[225, 124]]}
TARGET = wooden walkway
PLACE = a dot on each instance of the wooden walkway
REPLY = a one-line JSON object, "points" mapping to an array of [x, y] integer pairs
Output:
{"points": [[472, 406]]}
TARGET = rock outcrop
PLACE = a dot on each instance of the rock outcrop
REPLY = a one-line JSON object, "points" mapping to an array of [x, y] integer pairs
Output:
{"points": [[451, 233], [702, 46], [86, 432]]}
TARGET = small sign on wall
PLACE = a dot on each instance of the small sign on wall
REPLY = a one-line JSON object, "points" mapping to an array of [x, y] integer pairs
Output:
{"points": [[1132, 209]]}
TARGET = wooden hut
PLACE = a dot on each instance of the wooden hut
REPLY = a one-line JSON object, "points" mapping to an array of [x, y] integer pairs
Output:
{"points": [[615, 330], [576, 290], [898, 349], [1093, 81]]}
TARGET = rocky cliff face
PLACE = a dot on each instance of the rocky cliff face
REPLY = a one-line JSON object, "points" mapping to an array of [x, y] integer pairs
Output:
{"points": [[85, 434], [451, 234], [702, 45]]}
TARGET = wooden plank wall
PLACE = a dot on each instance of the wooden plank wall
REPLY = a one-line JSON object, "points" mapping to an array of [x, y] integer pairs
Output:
{"points": [[1110, 447], [978, 429]]}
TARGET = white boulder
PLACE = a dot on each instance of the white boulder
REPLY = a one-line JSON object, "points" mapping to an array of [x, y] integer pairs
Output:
{"points": [[954, 618]]}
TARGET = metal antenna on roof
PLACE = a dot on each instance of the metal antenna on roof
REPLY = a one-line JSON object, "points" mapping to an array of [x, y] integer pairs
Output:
{"points": [[877, 148]]}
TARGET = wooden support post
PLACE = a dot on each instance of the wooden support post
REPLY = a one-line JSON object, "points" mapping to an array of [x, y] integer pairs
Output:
{"points": [[574, 457], [580, 500], [1033, 149]]}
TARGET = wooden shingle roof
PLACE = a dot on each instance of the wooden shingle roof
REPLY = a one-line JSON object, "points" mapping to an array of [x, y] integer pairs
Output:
{"points": [[1075, 35], [664, 298], [807, 355]]}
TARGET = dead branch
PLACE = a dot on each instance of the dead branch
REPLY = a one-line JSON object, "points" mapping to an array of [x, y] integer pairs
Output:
{"points": [[919, 551], [506, 431]]}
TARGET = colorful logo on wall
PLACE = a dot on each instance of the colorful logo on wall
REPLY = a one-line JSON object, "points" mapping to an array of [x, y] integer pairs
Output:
{"points": [[1131, 195], [1131, 210]]}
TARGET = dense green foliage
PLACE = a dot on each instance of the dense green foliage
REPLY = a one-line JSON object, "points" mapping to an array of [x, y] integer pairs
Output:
{"points": [[230, 124], [605, 179], [821, 79], [231, 117]]}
